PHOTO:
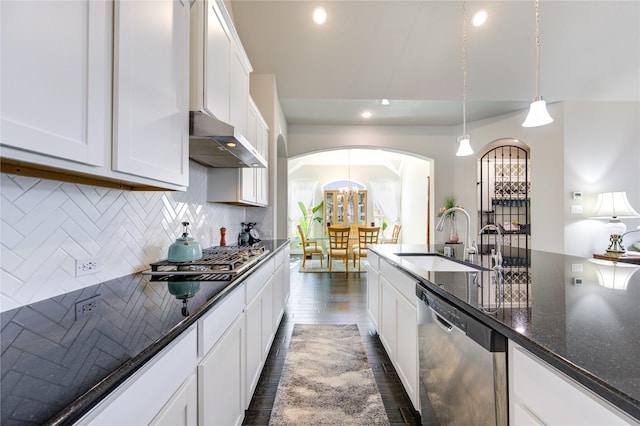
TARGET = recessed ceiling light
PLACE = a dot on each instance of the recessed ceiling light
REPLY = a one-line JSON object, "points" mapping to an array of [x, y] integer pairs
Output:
{"points": [[366, 114], [319, 15], [385, 102], [479, 18]]}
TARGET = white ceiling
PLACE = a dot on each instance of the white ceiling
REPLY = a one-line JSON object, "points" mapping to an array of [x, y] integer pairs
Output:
{"points": [[411, 53]]}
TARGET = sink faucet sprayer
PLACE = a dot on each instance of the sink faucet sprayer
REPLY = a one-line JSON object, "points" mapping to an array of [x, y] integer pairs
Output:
{"points": [[496, 254], [470, 248]]}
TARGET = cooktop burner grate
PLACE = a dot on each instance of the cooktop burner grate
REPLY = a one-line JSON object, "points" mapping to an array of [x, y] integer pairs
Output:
{"points": [[216, 264]]}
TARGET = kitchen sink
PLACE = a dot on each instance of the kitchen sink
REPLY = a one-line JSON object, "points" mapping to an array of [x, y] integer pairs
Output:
{"points": [[437, 263]]}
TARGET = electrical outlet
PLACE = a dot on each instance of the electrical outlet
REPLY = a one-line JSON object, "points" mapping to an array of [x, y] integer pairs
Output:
{"points": [[85, 307], [87, 266]]}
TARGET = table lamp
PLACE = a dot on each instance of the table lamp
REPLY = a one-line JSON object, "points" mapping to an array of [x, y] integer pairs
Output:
{"points": [[614, 205]]}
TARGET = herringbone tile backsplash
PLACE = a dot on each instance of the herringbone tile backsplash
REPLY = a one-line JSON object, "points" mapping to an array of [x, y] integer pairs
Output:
{"points": [[47, 225]]}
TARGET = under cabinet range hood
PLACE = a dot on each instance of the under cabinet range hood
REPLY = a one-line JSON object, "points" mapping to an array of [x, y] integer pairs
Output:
{"points": [[214, 143]]}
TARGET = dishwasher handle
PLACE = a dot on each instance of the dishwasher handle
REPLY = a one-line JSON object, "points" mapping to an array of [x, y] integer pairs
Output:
{"points": [[444, 325]]}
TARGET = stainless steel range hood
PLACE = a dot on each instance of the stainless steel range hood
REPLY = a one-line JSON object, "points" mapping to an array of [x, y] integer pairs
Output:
{"points": [[214, 143]]}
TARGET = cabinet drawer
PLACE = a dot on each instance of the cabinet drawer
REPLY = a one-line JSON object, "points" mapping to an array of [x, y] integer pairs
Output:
{"points": [[258, 279], [151, 387], [373, 260], [219, 319], [402, 282], [279, 258]]}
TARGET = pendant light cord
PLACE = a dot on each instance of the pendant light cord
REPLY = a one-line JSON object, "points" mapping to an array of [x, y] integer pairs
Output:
{"points": [[464, 67], [537, 50]]}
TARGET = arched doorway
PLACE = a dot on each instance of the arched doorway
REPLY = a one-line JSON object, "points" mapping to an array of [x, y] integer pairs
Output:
{"points": [[383, 174]]}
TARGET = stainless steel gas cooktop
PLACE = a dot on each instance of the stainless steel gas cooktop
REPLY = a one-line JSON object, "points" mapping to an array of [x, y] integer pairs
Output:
{"points": [[217, 264]]}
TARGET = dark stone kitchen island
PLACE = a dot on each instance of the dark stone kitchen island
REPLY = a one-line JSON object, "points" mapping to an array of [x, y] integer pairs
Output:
{"points": [[580, 316]]}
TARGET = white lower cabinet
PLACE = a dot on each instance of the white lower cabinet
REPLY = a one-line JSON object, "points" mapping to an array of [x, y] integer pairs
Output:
{"points": [[156, 387], [373, 288], [398, 326], [220, 380], [182, 409], [541, 395], [259, 323]]}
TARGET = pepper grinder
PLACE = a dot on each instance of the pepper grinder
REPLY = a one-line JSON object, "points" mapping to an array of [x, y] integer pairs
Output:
{"points": [[223, 232]]}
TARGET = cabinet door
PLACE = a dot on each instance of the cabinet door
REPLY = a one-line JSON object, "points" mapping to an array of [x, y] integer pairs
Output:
{"points": [[407, 347], [252, 123], [262, 186], [151, 121], [248, 191], [218, 58], [56, 78], [373, 294], [253, 321], [278, 295], [220, 380], [239, 94], [182, 409], [387, 329]]}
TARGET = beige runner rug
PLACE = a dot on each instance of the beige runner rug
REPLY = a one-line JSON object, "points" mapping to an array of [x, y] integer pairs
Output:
{"points": [[327, 380]]}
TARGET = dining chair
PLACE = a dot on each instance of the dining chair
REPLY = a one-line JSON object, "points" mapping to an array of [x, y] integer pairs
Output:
{"points": [[339, 245], [309, 248], [394, 235], [366, 237]]}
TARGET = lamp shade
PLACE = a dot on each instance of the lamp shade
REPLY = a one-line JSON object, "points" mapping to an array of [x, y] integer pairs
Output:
{"points": [[464, 146], [538, 114], [614, 275], [614, 204]]}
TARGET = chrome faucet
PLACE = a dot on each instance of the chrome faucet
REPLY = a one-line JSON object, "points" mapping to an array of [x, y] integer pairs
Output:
{"points": [[470, 248], [496, 254]]}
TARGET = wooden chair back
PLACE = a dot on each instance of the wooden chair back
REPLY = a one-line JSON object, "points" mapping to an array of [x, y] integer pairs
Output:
{"points": [[395, 234], [339, 238], [367, 236]]}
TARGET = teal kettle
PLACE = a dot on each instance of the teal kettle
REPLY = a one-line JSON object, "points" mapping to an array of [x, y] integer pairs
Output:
{"points": [[185, 248]]}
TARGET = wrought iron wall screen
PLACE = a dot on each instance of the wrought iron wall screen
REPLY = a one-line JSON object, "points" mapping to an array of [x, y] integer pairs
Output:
{"points": [[504, 198]]}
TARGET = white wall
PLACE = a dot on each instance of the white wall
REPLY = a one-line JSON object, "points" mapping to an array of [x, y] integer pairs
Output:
{"points": [[46, 225], [602, 154], [437, 143], [414, 201], [547, 172]]}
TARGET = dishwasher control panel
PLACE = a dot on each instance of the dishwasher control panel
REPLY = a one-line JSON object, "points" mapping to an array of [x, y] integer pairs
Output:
{"points": [[444, 309]]}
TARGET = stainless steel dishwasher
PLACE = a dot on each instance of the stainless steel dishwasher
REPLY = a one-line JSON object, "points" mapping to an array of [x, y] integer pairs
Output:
{"points": [[462, 363]]}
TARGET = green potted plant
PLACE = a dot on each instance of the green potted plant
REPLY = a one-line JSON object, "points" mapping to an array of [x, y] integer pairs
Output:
{"points": [[309, 216]]}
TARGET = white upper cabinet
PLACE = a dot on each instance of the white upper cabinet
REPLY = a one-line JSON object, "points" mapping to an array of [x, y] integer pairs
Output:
{"points": [[210, 60], [151, 123], [56, 78], [239, 89], [220, 67], [59, 59]]}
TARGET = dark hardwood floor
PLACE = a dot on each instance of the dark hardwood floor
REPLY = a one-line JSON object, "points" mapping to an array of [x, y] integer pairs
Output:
{"points": [[336, 298]]}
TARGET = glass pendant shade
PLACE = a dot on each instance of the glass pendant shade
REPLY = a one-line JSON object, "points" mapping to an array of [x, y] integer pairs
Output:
{"points": [[464, 146], [538, 114]]}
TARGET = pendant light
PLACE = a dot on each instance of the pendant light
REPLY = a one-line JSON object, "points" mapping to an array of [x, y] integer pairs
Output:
{"points": [[464, 141], [538, 114]]}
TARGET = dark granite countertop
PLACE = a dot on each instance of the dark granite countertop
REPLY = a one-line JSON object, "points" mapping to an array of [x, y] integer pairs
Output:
{"points": [[589, 330], [56, 367]]}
